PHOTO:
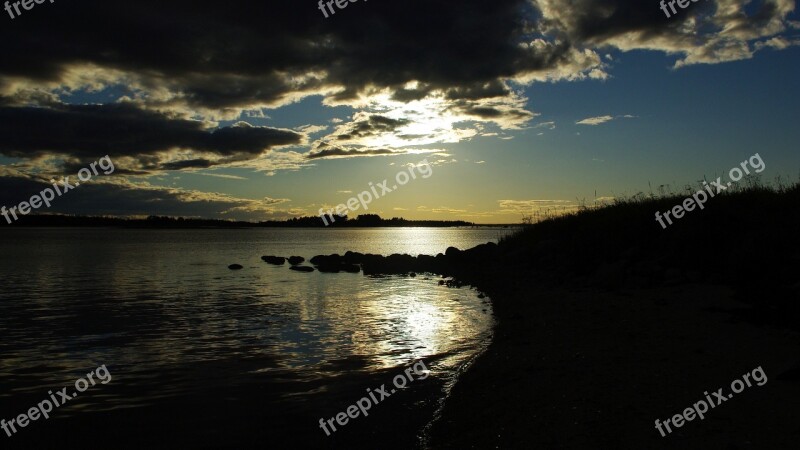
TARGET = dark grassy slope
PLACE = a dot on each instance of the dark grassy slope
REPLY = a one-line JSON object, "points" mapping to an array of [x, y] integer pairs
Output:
{"points": [[607, 322], [749, 239]]}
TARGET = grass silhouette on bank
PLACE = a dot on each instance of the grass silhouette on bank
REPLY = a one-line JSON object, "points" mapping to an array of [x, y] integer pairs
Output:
{"points": [[747, 237]]}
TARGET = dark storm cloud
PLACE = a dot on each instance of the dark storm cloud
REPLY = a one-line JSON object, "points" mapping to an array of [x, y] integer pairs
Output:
{"points": [[203, 54], [246, 53], [89, 131]]}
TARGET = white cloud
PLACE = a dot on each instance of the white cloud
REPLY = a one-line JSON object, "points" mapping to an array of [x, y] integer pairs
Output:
{"points": [[312, 129], [220, 175], [594, 121], [777, 43]]}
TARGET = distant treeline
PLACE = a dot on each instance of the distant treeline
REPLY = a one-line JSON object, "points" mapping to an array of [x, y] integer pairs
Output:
{"points": [[364, 220]]}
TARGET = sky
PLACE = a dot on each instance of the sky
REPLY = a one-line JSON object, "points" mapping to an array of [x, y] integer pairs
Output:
{"points": [[271, 110]]}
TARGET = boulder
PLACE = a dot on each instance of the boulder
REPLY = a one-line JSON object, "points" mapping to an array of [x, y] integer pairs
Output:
{"points": [[483, 254], [326, 260], [295, 260], [452, 252], [276, 260], [353, 257], [236, 267]]}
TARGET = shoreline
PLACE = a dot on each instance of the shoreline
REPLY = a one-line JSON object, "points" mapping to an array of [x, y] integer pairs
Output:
{"points": [[425, 435]]}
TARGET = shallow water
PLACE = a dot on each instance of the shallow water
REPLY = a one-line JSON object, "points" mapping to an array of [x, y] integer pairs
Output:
{"points": [[161, 309]]}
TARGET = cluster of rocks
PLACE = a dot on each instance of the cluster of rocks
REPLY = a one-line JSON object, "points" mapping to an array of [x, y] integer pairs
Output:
{"points": [[445, 264], [294, 261], [376, 264], [276, 260], [280, 260], [335, 264]]}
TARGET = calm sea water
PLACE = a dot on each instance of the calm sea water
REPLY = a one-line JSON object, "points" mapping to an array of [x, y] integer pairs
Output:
{"points": [[161, 309]]}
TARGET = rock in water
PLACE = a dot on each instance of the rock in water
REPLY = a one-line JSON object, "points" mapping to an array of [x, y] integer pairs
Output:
{"points": [[295, 260], [277, 260], [235, 267], [451, 252], [302, 268]]}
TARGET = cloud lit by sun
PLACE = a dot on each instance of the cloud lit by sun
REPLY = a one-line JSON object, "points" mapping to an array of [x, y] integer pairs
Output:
{"points": [[386, 125]]}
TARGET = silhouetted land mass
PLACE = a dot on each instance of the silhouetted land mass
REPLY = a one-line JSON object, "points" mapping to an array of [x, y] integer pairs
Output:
{"points": [[364, 220], [607, 321]]}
